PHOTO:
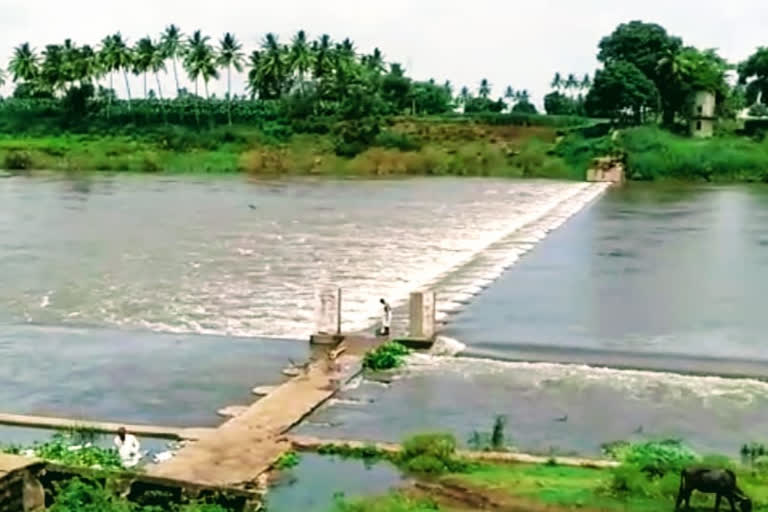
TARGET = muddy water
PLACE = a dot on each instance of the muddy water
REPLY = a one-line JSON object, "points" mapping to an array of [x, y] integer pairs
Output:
{"points": [[649, 277], [229, 257]]}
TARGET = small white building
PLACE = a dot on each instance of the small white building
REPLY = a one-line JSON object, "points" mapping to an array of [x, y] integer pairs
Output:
{"points": [[703, 117]]}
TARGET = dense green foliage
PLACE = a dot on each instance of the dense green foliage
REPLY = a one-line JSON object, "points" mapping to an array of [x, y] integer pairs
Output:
{"points": [[430, 454], [287, 460], [385, 357], [71, 449], [622, 93], [83, 496]]}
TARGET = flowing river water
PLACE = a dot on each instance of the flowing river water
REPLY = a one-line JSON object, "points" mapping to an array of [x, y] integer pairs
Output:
{"points": [[158, 300]]}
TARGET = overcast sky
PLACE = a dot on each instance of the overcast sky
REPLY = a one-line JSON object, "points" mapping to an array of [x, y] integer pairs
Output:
{"points": [[510, 42]]}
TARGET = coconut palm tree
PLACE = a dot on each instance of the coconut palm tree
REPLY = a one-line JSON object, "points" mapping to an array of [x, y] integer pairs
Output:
{"points": [[24, 65], [144, 53], [464, 96], [586, 82], [255, 82], [87, 66], [485, 88], [557, 81], [323, 58], [522, 96], [230, 56], [571, 82], [118, 57], [199, 60], [172, 43], [375, 62], [300, 56], [52, 69], [273, 66], [2, 77], [156, 64]]}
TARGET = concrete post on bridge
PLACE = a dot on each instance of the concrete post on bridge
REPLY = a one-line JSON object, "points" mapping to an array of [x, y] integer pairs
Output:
{"points": [[327, 317], [421, 325]]}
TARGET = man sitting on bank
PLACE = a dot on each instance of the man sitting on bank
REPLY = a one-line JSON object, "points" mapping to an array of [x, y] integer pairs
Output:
{"points": [[128, 447]]}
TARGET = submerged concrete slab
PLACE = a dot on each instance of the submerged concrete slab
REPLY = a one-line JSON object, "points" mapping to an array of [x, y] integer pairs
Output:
{"points": [[164, 432], [243, 448]]}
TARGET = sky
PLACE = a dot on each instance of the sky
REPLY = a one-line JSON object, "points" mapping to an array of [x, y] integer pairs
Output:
{"points": [[509, 42]]}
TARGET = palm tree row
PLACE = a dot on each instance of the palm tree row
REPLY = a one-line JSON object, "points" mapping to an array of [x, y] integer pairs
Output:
{"points": [[273, 69], [571, 83]]}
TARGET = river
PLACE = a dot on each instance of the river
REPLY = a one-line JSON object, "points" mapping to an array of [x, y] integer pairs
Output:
{"points": [[668, 278]]}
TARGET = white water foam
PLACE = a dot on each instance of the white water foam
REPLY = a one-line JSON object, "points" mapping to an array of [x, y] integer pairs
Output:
{"points": [[636, 384]]}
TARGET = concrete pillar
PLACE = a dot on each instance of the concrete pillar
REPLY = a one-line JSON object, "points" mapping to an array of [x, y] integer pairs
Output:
{"points": [[328, 312], [422, 314]]}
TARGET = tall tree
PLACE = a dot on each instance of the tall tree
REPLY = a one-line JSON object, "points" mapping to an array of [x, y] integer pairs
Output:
{"points": [[323, 59], [485, 89], [571, 82], [172, 42], [2, 77], [199, 60], [273, 67], [156, 64], [122, 57], [464, 95], [230, 56], [300, 56], [753, 73], [144, 53], [644, 45], [375, 62], [621, 88], [52, 71], [24, 63], [557, 81], [586, 82], [255, 83]]}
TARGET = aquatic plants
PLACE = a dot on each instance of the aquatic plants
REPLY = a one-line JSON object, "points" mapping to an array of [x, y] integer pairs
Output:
{"points": [[388, 356], [493, 441], [287, 460]]}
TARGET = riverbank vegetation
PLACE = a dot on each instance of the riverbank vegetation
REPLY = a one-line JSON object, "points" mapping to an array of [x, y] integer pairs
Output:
{"points": [[646, 480], [73, 448], [388, 356], [319, 106]]}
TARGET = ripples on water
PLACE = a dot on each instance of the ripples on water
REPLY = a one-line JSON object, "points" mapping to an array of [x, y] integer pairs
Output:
{"points": [[236, 258], [463, 395]]}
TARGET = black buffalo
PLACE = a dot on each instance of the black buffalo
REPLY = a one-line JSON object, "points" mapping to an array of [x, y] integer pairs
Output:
{"points": [[720, 482]]}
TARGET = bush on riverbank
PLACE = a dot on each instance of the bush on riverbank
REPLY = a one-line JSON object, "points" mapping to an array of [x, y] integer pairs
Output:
{"points": [[388, 356], [70, 449]]}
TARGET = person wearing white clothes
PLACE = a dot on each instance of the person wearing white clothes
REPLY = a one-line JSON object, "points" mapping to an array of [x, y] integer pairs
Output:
{"points": [[128, 447], [386, 318]]}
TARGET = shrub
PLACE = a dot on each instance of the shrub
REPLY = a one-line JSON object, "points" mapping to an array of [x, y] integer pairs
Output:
{"points": [[287, 460], [71, 450], [394, 140], [660, 457], [385, 357], [265, 161], [431, 454], [17, 160]]}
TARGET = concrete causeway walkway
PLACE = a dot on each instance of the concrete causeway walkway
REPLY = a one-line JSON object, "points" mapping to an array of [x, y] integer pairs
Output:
{"points": [[245, 447]]}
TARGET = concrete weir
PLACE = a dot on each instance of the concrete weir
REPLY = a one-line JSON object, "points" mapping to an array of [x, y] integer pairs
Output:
{"points": [[245, 447]]}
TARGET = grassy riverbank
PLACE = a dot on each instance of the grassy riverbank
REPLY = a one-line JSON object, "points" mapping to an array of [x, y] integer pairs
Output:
{"points": [[645, 479], [653, 153], [403, 147]]}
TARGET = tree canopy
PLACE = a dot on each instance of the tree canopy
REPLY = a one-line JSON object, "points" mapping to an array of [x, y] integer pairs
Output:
{"points": [[622, 92]]}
